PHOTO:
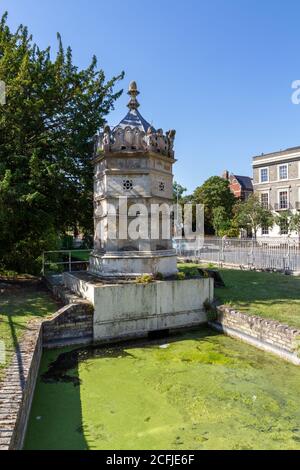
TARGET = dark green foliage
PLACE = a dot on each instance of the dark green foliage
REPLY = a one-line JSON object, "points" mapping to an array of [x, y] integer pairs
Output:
{"points": [[52, 112], [214, 193], [295, 222], [180, 276]]}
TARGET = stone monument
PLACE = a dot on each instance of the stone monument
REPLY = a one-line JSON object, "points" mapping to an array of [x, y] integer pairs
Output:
{"points": [[132, 161], [133, 164]]}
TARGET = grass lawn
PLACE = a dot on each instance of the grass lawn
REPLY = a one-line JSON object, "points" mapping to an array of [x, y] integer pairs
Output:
{"points": [[81, 255], [19, 303], [269, 295]]}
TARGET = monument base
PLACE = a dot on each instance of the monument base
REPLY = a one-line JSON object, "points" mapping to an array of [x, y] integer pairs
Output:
{"points": [[133, 263], [130, 310]]}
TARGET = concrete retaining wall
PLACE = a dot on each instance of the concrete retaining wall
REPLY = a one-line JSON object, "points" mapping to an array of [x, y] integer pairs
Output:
{"points": [[131, 310], [268, 335]]}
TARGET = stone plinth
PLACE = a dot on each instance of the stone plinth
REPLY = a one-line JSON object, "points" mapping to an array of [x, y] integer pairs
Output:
{"points": [[133, 264], [129, 310]]}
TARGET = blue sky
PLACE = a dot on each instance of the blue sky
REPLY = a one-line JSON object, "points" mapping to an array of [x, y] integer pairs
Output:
{"points": [[218, 71]]}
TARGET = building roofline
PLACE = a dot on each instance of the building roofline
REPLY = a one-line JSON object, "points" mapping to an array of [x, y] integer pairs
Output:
{"points": [[242, 176], [277, 153]]}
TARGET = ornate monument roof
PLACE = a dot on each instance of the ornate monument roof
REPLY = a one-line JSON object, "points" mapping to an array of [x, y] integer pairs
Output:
{"points": [[134, 133], [133, 118]]}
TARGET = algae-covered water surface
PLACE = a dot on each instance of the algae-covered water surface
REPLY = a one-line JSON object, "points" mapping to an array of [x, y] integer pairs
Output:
{"points": [[198, 390]]}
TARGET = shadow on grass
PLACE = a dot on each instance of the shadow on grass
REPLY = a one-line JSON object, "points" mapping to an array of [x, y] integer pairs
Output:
{"points": [[19, 303], [18, 352]]}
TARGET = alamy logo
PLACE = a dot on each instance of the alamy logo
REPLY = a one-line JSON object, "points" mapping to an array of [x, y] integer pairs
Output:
{"points": [[2, 93], [296, 95], [127, 221]]}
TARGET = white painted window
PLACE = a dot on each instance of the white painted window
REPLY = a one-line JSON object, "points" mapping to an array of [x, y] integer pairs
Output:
{"points": [[265, 230], [264, 175], [264, 200], [284, 229], [282, 172], [283, 200]]}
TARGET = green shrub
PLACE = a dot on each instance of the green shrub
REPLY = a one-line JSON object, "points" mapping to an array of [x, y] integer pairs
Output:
{"points": [[211, 266], [231, 232], [8, 274], [189, 271], [145, 279], [180, 276]]}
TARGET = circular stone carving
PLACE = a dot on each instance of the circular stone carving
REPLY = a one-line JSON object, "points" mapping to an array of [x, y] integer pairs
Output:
{"points": [[127, 185]]}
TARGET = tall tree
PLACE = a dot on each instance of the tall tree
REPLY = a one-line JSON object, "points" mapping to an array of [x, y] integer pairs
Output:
{"points": [[53, 110], [221, 221], [251, 215], [214, 193]]}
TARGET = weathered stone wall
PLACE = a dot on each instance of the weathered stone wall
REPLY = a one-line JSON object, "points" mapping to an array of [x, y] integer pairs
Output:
{"points": [[17, 389], [71, 325], [268, 335]]}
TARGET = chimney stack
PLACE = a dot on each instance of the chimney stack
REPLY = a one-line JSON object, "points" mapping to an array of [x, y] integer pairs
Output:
{"points": [[225, 175]]}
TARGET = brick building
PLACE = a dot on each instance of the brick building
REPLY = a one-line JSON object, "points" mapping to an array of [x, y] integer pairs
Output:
{"points": [[240, 186]]}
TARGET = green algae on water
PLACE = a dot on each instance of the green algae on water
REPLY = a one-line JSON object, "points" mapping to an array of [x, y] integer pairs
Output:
{"points": [[198, 390]]}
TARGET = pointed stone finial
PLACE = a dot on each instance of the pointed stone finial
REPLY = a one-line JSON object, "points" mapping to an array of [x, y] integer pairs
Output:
{"points": [[133, 93]]}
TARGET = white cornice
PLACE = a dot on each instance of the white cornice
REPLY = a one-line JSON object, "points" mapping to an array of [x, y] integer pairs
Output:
{"points": [[280, 158]]}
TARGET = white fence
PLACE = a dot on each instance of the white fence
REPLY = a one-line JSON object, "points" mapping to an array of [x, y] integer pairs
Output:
{"points": [[275, 254]]}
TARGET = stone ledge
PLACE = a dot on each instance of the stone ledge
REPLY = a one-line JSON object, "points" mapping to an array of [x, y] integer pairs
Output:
{"points": [[17, 388]]}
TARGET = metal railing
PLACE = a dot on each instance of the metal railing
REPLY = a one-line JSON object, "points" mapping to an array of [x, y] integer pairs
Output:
{"points": [[280, 254], [65, 260]]}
